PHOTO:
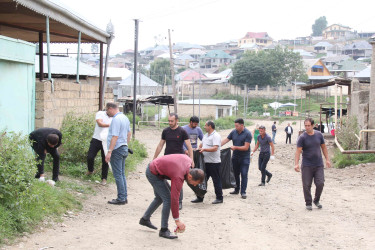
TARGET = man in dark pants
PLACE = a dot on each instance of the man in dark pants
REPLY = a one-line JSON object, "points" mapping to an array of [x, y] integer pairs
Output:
{"points": [[274, 130], [174, 137], [310, 143], [288, 132], [177, 168], [241, 138], [264, 141], [46, 140], [96, 144], [210, 148]]}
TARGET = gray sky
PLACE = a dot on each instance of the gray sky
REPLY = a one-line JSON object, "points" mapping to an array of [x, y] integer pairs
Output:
{"points": [[212, 21]]}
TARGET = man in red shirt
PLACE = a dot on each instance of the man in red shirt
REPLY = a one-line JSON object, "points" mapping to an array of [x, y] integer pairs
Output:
{"points": [[177, 168]]}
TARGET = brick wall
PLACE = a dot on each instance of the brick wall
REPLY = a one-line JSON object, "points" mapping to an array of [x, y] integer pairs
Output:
{"points": [[68, 96]]}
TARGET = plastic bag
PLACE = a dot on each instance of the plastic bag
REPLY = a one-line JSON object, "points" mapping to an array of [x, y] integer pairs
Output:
{"points": [[226, 169], [201, 189]]}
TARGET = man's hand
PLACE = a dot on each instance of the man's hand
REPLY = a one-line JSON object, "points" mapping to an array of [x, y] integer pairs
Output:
{"points": [[328, 164], [180, 225], [296, 168], [233, 147], [187, 152], [45, 151], [108, 156], [201, 150], [192, 164], [252, 153]]}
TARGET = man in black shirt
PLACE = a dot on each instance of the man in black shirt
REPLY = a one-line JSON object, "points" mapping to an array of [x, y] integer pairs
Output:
{"points": [[46, 140], [174, 137]]}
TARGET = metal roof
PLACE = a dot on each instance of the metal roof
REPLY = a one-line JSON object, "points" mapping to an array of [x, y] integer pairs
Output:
{"points": [[210, 102], [341, 81], [62, 65], [145, 81], [24, 19]]}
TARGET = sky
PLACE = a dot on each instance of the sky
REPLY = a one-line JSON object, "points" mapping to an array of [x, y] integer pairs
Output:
{"points": [[212, 21]]}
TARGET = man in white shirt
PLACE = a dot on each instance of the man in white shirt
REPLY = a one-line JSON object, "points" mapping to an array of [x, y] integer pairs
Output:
{"points": [[210, 148], [100, 134]]}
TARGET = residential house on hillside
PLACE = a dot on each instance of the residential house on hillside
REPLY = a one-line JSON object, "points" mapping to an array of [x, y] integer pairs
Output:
{"points": [[221, 77], [209, 108], [334, 50], [358, 49], [215, 58], [145, 86], [331, 61], [189, 76], [259, 38], [195, 53], [337, 31], [306, 40], [304, 54], [365, 34], [119, 62], [250, 47], [185, 61], [181, 47], [321, 47], [348, 68], [316, 70], [365, 74]]}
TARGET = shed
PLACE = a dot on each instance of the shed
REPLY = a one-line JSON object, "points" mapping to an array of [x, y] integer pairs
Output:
{"points": [[207, 108]]}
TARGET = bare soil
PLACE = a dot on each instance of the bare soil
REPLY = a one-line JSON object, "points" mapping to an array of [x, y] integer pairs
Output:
{"points": [[272, 217]]}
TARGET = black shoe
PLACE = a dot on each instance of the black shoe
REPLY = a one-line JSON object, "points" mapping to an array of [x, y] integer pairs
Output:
{"points": [[269, 178], [217, 201], [167, 234], [147, 223], [243, 196], [261, 184], [318, 205], [308, 207], [180, 206], [55, 179], [197, 200], [117, 202], [235, 192]]}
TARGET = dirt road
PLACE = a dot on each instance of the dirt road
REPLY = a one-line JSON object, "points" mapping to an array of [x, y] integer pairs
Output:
{"points": [[272, 217]]}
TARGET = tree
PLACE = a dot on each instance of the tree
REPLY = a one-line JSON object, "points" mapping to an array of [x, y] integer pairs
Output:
{"points": [[319, 25], [159, 70], [270, 67]]}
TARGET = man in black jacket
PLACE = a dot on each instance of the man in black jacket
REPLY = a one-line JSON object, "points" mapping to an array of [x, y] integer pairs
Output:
{"points": [[46, 140], [289, 132]]}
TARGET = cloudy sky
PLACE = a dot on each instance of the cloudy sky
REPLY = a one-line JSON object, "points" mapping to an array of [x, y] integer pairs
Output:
{"points": [[212, 21]]}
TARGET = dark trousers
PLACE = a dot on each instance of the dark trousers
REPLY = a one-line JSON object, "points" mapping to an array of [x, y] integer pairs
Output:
{"points": [[213, 170], [308, 174], [42, 156], [288, 136], [241, 167], [95, 146], [262, 164]]}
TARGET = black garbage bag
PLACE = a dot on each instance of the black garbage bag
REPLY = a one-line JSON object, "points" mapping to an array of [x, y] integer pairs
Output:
{"points": [[201, 189], [226, 169]]}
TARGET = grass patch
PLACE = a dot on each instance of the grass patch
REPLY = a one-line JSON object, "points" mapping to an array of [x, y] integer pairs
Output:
{"points": [[344, 160]]}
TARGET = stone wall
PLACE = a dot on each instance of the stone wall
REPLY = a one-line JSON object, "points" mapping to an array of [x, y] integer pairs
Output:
{"points": [[186, 110], [68, 96]]}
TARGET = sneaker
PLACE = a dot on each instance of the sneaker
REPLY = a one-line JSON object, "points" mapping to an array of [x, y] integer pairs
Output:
{"points": [[261, 184], [42, 178], [217, 201], [104, 182], [317, 204], [243, 196], [167, 234], [147, 223], [117, 202], [309, 207], [269, 178]]}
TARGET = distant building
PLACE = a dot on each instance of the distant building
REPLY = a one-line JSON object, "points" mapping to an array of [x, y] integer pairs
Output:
{"points": [[322, 47], [348, 68], [215, 58], [358, 49], [337, 31], [208, 108], [316, 70], [259, 38]]}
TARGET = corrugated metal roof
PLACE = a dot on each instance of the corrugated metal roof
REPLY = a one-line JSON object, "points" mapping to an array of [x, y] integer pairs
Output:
{"points": [[216, 54], [189, 75], [323, 44], [210, 102], [358, 45], [145, 81], [62, 65], [366, 73]]}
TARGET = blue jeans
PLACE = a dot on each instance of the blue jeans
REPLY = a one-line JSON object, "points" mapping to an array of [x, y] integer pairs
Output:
{"points": [[273, 136], [263, 159], [118, 168], [162, 195], [241, 167]]}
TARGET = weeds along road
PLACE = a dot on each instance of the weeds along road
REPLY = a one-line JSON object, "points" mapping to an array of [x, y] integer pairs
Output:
{"points": [[272, 217]]}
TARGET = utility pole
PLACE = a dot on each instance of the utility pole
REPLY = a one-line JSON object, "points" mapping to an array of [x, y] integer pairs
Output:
{"points": [[172, 73], [135, 73]]}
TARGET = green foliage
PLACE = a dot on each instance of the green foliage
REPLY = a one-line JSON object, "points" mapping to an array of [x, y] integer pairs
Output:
{"points": [[17, 168], [130, 117], [343, 160], [346, 133], [268, 67], [181, 70], [319, 25], [159, 70], [140, 152]]}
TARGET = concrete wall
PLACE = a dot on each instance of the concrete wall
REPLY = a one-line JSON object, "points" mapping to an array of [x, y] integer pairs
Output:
{"points": [[68, 96], [206, 111]]}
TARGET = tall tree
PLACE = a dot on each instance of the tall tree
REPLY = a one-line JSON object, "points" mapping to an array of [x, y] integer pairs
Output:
{"points": [[271, 67], [159, 70], [319, 25]]}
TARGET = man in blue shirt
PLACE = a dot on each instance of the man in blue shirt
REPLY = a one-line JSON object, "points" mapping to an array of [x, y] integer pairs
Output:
{"points": [[241, 138], [194, 132], [118, 137]]}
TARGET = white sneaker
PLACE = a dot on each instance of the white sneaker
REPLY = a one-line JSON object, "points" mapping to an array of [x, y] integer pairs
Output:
{"points": [[42, 178], [51, 182]]}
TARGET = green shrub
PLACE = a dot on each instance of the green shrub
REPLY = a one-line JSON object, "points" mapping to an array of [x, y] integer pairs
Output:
{"points": [[343, 160], [17, 167], [346, 133], [139, 153]]}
